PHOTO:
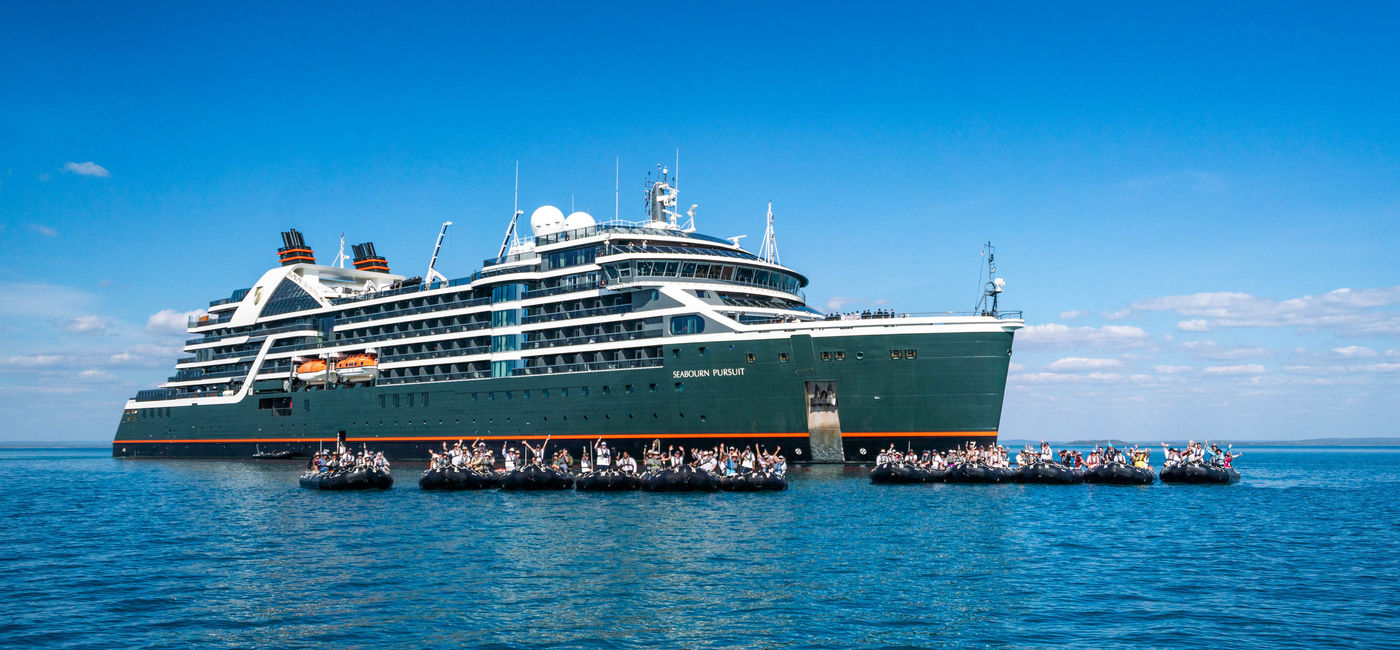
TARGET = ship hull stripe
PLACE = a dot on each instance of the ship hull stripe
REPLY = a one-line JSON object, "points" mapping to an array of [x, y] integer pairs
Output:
{"points": [[626, 436]]}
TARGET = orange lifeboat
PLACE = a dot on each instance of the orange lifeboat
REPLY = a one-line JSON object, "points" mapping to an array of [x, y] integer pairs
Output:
{"points": [[313, 371], [358, 368]]}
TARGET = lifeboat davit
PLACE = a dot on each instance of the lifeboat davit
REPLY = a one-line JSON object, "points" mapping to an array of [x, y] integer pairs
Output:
{"points": [[357, 368], [313, 371]]}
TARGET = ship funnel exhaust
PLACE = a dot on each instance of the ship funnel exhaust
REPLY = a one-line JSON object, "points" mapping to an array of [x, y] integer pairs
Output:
{"points": [[367, 260], [294, 249]]}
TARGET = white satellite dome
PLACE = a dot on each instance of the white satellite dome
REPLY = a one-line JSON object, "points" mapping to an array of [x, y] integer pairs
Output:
{"points": [[579, 220], [546, 219]]}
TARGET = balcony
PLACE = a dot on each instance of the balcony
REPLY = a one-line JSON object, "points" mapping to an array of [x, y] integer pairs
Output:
{"points": [[584, 340], [621, 364], [577, 313], [454, 376], [432, 354]]}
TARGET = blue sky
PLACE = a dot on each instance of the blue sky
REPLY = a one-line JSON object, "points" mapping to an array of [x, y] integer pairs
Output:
{"points": [[1196, 205]]}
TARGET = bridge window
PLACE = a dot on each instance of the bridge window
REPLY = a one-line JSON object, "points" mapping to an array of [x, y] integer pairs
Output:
{"points": [[687, 325]]}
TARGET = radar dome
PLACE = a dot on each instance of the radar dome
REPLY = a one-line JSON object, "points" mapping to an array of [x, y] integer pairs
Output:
{"points": [[546, 219], [579, 220]]}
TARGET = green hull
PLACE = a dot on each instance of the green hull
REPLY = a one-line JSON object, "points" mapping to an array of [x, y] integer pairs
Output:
{"points": [[706, 394]]}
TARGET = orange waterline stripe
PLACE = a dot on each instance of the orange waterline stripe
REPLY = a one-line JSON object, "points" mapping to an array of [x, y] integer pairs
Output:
{"points": [[620, 436]]}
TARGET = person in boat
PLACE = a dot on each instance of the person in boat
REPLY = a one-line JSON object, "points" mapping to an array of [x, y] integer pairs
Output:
{"points": [[731, 464], [585, 464], [535, 455], [708, 462], [1227, 459], [1140, 458], [780, 466], [677, 457], [604, 455], [627, 463], [380, 462], [746, 460], [508, 457]]}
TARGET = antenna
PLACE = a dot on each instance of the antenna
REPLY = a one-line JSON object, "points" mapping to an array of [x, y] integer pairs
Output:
{"points": [[515, 216], [340, 257], [768, 251], [987, 305], [617, 186]]}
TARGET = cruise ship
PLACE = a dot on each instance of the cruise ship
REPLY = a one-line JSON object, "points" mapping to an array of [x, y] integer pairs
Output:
{"points": [[643, 333]]}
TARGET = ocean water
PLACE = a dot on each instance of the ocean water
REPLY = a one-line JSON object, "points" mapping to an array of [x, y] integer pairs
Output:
{"points": [[100, 552]]}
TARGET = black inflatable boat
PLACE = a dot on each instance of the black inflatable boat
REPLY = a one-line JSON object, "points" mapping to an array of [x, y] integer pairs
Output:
{"points": [[608, 480], [753, 482], [1047, 474], [536, 477], [1200, 474], [458, 478], [355, 479], [1119, 474], [685, 478]]}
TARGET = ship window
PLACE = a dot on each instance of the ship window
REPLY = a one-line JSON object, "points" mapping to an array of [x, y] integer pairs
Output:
{"points": [[563, 392], [475, 397], [627, 388], [544, 392], [911, 354], [425, 399], [676, 352], [583, 390], [749, 358], [510, 394], [703, 350], [860, 355], [652, 387], [783, 357], [840, 355], [826, 355], [702, 418], [491, 395], [607, 390], [680, 386], [396, 400], [382, 400], [687, 325], [410, 400], [896, 354], [306, 406]]}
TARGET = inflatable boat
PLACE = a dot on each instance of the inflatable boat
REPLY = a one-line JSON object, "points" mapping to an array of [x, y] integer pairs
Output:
{"points": [[1119, 474], [354, 479], [1200, 474]]}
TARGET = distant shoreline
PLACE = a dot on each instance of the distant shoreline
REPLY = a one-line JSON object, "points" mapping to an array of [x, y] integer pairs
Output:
{"points": [[1307, 442]]}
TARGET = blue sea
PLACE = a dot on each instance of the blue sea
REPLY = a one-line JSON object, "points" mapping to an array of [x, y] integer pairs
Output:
{"points": [[100, 552]]}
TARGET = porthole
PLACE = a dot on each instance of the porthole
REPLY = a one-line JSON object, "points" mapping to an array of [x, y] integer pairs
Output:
{"points": [[862, 451], [797, 451], [860, 355]]}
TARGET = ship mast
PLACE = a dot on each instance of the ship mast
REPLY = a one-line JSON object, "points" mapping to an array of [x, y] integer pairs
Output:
{"points": [[768, 251], [987, 305]]}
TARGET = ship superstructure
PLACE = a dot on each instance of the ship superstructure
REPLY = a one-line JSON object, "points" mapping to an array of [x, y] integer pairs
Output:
{"points": [[643, 332]]}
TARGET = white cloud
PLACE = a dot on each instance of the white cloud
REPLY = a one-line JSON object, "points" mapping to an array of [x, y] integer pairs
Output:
{"points": [[1350, 312], [1355, 352], [1173, 370], [1194, 325], [168, 322], [1041, 377], [1072, 364], [88, 168], [101, 375], [88, 323], [1015, 367], [28, 300], [1069, 315], [1244, 369], [1055, 335], [1117, 315], [840, 303], [33, 360], [145, 354], [1213, 350], [1394, 354], [42, 230]]}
